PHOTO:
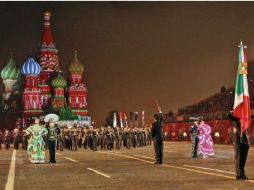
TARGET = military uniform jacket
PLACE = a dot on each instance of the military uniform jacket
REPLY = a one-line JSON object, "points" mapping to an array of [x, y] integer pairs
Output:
{"points": [[236, 132], [157, 131]]}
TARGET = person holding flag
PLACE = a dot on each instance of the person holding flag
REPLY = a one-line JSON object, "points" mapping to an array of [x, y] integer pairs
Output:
{"points": [[240, 117]]}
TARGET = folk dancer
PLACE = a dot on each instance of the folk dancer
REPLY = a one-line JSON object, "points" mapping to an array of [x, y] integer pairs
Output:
{"points": [[35, 148], [205, 145]]}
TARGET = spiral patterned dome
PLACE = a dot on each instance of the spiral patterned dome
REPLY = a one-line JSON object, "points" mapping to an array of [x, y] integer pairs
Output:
{"points": [[31, 67], [76, 66], [59, 82], [10, 71]]}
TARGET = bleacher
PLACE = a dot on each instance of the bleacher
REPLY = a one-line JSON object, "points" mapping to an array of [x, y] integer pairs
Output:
{"points": [[215, 107]]}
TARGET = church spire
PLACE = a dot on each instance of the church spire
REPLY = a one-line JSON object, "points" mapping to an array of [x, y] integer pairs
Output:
{"points": [[48, 57], [47, 38]]}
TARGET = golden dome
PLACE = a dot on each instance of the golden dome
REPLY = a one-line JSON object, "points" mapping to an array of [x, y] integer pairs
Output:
{"points": [[47, 13]]}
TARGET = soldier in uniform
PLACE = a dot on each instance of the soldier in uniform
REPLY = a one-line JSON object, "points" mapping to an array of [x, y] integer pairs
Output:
{"points": [[90, 139], [134, 138], [24, 140], [124, 137], [60, 140], [194, 137], [16, 136], [1, 136], [103, 138], [149, 137], [241, 147], [157, 137], [143, 137], [79, 142], [53, 132], [139, 138], [67, 137], [128, 138], [85, 138], [109, 138], [118, 138], [74, 137], [94, 139], [7, 136]]}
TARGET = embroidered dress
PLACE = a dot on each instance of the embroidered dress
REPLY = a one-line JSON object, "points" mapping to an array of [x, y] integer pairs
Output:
{"points": [[205, 146], [36, 143]]}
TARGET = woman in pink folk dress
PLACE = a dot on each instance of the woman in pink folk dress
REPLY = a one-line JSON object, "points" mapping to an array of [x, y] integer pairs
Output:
{"points": [[205, 145]]}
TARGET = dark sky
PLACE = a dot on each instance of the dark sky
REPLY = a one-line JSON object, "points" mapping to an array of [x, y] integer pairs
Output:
{"points": [[134, 52]]}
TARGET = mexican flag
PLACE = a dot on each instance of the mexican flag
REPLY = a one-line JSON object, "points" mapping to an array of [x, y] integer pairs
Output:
{"points": [[114, 120], [242, 100], [121, 119]]}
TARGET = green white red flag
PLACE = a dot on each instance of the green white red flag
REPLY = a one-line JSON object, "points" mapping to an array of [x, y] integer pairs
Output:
{"points": [[125, 119], [242, 100], [143, 118], [121, 119], [114, 120]]}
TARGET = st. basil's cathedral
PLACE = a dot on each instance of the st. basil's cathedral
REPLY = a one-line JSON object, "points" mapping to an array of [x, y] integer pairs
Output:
{"points": [[38, 87]]}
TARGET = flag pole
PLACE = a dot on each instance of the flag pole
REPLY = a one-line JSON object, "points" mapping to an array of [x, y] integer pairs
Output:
{"points": [[158, 107]]}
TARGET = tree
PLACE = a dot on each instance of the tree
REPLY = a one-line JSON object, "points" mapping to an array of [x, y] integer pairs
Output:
{"points": [[67, 114]]}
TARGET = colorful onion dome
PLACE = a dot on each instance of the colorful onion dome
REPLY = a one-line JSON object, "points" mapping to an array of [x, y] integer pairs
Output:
{"points": [[10, 71], [59, 82], [31, 67], [76, 66]]}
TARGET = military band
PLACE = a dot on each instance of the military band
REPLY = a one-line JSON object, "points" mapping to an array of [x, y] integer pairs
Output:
{"points": [[104, 138], [108, 138]]}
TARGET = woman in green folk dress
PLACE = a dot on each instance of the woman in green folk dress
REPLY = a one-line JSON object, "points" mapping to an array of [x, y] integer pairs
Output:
{"points": [[36, 143]]}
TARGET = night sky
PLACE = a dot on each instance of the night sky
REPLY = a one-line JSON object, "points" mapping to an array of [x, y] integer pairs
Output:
{"points": [[135, 52]]}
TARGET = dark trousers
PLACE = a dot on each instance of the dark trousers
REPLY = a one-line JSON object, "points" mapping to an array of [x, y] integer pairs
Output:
{"points": [[7, 144], [52, 151], [158, 150], [241, 149], [94, 144], [194, 147], [16, 143], [85, 142], [118, 143]]}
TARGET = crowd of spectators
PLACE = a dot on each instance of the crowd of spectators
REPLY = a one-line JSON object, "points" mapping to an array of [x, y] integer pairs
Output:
{"points": [[215, 107]]}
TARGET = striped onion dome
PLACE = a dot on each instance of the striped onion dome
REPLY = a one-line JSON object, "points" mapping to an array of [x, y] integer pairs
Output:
{"points": [[59, 82], [31, 67], [76, 66], [10, 71]]}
